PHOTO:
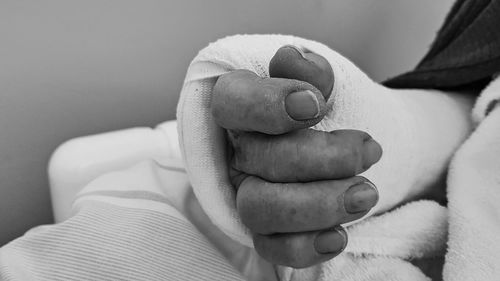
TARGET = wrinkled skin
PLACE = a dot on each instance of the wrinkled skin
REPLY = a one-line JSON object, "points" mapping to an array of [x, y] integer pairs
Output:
{"points": [[294, 185]]}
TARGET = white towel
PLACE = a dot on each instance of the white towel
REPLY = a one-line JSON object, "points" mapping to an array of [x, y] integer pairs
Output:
{"points": [[474, 196]]}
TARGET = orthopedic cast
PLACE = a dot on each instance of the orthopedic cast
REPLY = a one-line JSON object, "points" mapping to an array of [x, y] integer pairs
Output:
{"points": [[418, 130]]}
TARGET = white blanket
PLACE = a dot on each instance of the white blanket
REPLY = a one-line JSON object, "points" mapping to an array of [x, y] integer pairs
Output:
{"points": [[473, 194]]}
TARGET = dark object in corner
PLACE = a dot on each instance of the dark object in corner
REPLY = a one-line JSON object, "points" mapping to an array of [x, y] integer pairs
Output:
{"points": [[464, 55]]}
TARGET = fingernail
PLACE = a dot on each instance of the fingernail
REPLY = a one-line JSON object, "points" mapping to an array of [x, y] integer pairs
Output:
{"points": [[330, 241], [296, 49], [304, 54], [372, 152], [302, 105], [360, 197]]}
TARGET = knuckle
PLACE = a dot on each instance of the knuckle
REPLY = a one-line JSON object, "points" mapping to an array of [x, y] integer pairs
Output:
{"points": [[250, 204], [244, 205]]}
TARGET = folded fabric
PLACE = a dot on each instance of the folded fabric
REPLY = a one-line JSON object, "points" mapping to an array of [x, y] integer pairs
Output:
{"points": [[473, 196]]}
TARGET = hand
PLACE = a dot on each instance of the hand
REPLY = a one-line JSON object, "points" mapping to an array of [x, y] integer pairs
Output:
{"points": [[294, 185]]}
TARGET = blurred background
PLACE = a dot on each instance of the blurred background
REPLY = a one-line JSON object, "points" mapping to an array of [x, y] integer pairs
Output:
{"points": [[73, 68]]}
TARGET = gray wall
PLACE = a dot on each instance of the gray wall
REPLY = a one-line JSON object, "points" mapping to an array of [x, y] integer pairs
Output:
{"points": [[72, 68]]}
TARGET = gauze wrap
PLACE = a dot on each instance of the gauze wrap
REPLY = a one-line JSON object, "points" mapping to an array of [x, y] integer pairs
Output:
{"points": [[418, 130]]}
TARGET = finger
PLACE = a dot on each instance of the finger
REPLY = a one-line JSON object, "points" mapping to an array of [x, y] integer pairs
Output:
{"points": [[242, 100], [293, 63], [302, 249], [304, 155], [267, 208]]}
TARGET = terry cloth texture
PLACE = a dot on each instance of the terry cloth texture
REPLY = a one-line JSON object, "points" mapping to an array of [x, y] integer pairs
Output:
{"points": [[466, 52], [418, 130], [473, 196]]}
